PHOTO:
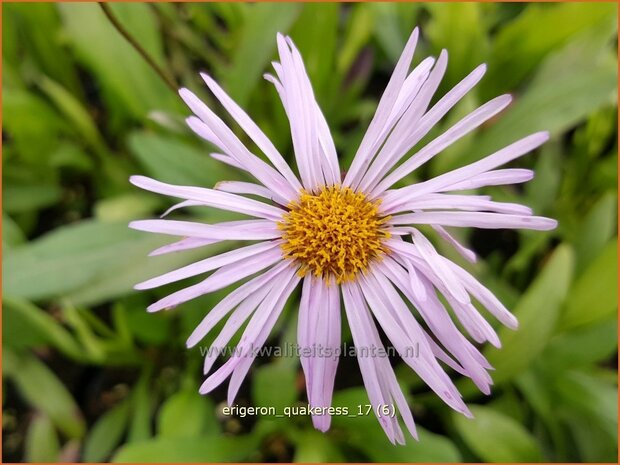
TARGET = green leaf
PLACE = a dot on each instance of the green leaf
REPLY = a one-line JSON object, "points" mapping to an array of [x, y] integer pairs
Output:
{"points": [[316, 447], [141, 408], [171, 160], [126, 207], [597, 228], [522, 44], [365, 434], [182, 450], [593, 397], [20, 198], [495, 437], [456, 28], [40, 34], [554, 104], [315, 35], [130, 85], [73, 110], [42, 443], [12, 235], [256, 46], [30, 375], [274, 385], [26, 325], [187, 414], [582, 346], [357, 34], [86, 262], [537, 311], [393, 24], [594, 297], [106, 433]]}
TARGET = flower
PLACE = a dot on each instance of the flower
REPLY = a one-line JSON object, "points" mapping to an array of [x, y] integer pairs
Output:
{"points": [[352, 235]]}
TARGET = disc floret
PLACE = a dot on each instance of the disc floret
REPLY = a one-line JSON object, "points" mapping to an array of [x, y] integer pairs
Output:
{"points": [[336, 232]]}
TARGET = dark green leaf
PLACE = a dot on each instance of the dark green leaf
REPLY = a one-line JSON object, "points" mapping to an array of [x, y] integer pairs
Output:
{"points": [[494, 437]]}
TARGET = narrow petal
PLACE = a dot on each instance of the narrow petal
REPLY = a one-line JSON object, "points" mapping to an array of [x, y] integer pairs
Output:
{"points": [[240, 187], [242, 369], [466, 253], [256, 332], [384, 109], [458, 202], [252, 130], [494, 178], [226, 159], [238, 317], [385, 305], [485, 297], [439, 183], [209, 264], [232, 300], [323, 335], [477, 220], [223, 277], [233, 147], [184, 204], [456, 132], [210, 197], [426, 123], [402, 136], [436, 262], [186, 243], [355, 308], [249, 230], [439, 322], [202, 130]]}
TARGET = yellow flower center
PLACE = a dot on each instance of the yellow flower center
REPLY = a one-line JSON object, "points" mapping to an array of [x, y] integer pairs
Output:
{"points": [[336, 232]]}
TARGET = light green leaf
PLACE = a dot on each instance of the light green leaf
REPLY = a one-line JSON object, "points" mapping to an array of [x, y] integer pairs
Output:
{"points": [[315, 35], [182, 450], [495, 437], [357, 34], [27, 325], [86, 262], [456, 28], [126, 207], [130, 85], [141, 408], [594, 296], [187, 414], [521, 45], [11, 233], [42, 444], [554, 104], [316, 447], [20, 198], [106, 433], [29, 375], [537, 311], [257, 46], [365, 434], [73, 110], [172, 160], [582, 346], [597, 228], [591, 396], [274, 385]]}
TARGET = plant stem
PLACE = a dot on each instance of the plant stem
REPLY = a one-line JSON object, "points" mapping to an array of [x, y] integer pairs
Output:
{"points": [[134, 43]]}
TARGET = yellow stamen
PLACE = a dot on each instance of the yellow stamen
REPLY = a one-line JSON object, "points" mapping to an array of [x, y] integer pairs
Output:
{"points": [[336, 232]]}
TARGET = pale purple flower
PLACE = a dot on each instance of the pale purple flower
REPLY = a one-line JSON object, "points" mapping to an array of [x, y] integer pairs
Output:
{"points": [[354, 236]]}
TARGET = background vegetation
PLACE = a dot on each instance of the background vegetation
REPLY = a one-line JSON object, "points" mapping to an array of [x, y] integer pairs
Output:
{"points": [[89, 376]]}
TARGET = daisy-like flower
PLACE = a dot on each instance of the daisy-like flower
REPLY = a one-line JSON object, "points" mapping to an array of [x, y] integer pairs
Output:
{"points": [[353, 236]]}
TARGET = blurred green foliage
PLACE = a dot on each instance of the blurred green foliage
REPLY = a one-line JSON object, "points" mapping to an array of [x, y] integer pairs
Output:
{"points": [[89, 376]]}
